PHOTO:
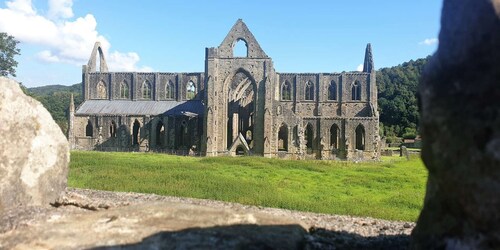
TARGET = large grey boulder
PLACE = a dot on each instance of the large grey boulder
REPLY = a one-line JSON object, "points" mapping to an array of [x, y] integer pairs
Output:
{"points": [[460, 125], [34, 152]]}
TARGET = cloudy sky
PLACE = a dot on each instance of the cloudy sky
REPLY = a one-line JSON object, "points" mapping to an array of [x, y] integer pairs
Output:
{"points": [[57, 36]]}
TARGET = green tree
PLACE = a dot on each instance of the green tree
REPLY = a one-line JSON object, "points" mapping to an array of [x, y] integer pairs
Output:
{"points": [[397, 98], [8, 49]]}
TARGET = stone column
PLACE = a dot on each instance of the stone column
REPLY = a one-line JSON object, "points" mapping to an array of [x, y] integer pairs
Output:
{"points": [[460, 126]]}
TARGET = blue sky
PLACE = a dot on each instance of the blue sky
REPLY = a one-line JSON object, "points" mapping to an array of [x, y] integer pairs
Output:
{"points": [[57, 36]]}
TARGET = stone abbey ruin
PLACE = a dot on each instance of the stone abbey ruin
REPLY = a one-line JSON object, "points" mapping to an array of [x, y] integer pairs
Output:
{"points": [[238, 105]]}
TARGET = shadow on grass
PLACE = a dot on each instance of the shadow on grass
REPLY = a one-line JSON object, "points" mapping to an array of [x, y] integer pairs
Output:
{"points": [[264, 237]]}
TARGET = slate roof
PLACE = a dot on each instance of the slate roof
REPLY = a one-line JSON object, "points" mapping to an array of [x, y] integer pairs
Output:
{"points": [[127, 107]]}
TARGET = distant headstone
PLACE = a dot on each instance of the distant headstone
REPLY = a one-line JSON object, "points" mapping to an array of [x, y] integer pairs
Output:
{"points": [[403, 152], [460, 126], [34, 152]]}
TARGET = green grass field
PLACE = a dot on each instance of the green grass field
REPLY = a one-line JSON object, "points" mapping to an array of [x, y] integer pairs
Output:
{"points": [[392, 189]]}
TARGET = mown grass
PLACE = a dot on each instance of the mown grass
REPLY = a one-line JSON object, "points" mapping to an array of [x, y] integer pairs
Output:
{"points": [[392, 189]]}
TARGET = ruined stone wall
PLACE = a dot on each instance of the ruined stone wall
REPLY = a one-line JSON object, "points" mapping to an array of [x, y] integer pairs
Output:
{"points": [[246, 108], [113, 82]]}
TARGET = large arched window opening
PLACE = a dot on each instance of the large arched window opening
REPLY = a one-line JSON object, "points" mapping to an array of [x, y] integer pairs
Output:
{"points": [[240, 48], [124, 90], [160, 134], [112, 129], [89, 129], [356, 91], [169, 91], [360, 137], [146, 90], [309, 91], [309, 136], [190, 90], [135, 132], [334, 136], [240, 109], [332, 91], [286, 91], [283, 138], [101, 90]]}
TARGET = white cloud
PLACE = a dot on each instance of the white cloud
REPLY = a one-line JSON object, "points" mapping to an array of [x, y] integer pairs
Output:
{"points": [[63, 40], [60, 8], [359, 68], [429, 41]]}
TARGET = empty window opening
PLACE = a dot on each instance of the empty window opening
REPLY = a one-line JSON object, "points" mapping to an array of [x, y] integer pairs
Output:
{"points": [[169, 91], [332, 91], [160, 134], [334, 136], [101, 90], [296, 135], [283, 138], [146, 90], [309, 91], [112, 129], [124, 90], [360, 137], [190, 90], [240, 48], [309, 136], [356, 91], [135, 132], [286, 91], [89, 129]]}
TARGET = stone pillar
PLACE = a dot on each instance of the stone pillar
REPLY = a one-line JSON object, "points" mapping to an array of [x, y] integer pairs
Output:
{"points": [[235, 126], [460, 126]]}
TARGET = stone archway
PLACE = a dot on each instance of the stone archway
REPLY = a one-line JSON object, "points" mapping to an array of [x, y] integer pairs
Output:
{"points": [[240, 109]]}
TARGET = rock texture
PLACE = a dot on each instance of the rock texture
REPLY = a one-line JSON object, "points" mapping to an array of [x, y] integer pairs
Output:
{"points": [[156, 225], [34, 152], [460, 125], [92, 218]]}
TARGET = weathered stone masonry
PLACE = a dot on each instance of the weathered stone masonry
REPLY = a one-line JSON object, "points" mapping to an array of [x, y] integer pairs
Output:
{"points": [[239, 105]]}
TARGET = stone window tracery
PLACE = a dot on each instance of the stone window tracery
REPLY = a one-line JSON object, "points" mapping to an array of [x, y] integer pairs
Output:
{"points": [[146, 90], [309, 91], [169, 91], [356, 91], [190, 90], [101, 90], [286, 91], [124, 90]]}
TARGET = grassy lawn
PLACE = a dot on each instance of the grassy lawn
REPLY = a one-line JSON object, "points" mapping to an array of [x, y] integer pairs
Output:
{"points": [[392, 189]]}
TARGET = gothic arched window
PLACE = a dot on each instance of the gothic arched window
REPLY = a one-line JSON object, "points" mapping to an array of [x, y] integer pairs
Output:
{"points": [[124, 90], [286, 91], [356, 91], [190, 90], [332, 91], [309, 91], [169, 91], [146, 90]]}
